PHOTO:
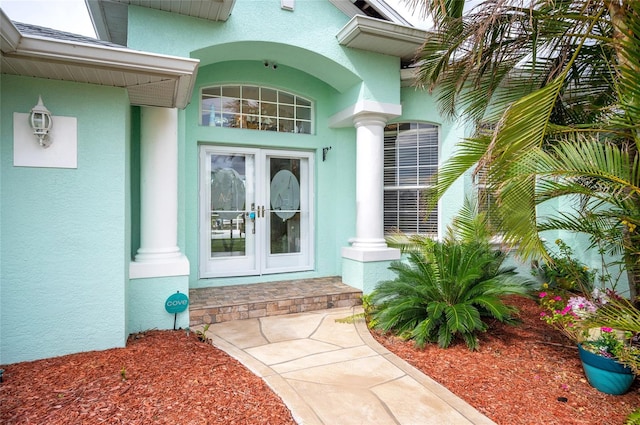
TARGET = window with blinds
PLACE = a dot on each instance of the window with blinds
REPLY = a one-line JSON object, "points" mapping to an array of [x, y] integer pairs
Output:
{"points": [[485, 199], [410, 159]]}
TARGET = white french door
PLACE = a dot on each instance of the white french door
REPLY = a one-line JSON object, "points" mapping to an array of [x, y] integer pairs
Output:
{"points": [[256, 211]]}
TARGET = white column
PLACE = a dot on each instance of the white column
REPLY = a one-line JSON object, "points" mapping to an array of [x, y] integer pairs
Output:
{"points": [[369, 243], [369, 182], [159, 254]]}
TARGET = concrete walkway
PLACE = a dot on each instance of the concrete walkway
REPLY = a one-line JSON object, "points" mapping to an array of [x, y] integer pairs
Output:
{"points": [[332, 373]]}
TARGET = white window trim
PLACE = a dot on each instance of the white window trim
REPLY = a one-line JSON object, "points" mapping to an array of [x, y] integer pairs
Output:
{"points": [[259, 116], [418, 187]]}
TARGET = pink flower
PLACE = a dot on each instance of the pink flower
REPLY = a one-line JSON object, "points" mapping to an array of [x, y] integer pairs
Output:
{"points": [[606, 329], [558, 298], [543, 314], [565, 310], [543, 294]]}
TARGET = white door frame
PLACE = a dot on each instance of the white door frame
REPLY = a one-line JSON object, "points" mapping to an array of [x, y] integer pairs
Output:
{"points": [[257, 260]]}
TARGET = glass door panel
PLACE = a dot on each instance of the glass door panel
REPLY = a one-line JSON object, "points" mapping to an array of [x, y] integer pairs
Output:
{"points": [[288, 189], [284, 218], [228, 199], [227, 196]]}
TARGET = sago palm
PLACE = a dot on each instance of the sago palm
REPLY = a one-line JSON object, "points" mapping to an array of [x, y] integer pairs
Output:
{"points": [[445, 291]]}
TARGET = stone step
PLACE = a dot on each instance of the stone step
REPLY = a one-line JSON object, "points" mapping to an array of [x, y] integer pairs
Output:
{"points": [[237, 302]]}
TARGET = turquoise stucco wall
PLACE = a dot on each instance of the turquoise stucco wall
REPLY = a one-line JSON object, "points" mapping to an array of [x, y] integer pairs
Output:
{"points": [[146, 304], [366, 276], [261, 30], [64, 246], [579, 243]]}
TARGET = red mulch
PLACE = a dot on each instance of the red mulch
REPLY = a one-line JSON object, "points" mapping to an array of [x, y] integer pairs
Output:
{"points": [[520, 374], [171, 378], [517, 377]]}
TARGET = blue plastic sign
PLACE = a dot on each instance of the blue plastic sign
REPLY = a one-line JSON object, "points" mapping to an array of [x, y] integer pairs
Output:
{"points": [[176, 303]]}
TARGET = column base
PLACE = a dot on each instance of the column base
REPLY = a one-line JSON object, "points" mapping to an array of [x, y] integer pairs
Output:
{"points": [[159, 267], [365, 268], [149, 254], [369, 254]]}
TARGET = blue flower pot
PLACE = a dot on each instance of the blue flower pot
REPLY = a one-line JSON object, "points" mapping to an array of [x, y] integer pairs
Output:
{"points": [[605, 374]]}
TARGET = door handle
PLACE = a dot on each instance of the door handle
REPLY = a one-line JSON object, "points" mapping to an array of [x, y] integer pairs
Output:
{"points": [[252, 216]]}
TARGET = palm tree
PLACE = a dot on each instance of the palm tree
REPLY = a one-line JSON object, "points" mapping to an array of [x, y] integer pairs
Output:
{"points": [[554, 90]]}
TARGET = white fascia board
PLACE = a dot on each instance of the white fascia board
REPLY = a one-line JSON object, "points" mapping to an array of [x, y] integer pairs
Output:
{"points": [[346, 117], [98, 19], [184, 89], [347, 7], [408, 76], [361, 24], [388, 12], [104, 57], [9, 34], [378, 36]]}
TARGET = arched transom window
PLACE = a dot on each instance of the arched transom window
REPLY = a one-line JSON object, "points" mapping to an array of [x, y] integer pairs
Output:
{"points": [[256, 108]]}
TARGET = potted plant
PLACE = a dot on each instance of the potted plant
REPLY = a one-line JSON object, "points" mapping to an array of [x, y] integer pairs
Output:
{"points": [[605, 352], [600, 361]]}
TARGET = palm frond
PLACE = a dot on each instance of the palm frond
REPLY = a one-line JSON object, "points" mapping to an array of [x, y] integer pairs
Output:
{"points": [[444, 294], [618, 313]]}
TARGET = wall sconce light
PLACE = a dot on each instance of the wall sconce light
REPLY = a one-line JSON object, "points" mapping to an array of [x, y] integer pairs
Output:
{"points": [[324, 153], [41, 123]]}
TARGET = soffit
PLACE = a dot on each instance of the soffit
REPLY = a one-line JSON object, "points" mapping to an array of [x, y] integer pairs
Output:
{"points": [[376, 35], [150, 79], [352, 8], [110, 16], [212, 10]]}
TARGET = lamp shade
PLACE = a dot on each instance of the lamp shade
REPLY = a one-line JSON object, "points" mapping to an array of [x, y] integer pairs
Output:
{"points": [[41, 122]]}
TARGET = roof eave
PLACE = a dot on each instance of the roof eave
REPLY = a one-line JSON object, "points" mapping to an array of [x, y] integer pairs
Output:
{"points": [[168, 71], [9, 34], [98, 19], [109, 17], [388, 12], [376, 35]]}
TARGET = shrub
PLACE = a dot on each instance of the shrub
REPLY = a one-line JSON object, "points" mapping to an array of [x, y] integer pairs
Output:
{"points": [[444, 291], [564, 272]]}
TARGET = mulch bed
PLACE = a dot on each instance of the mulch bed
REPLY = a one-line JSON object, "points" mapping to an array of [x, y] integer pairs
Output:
{"points": [[521, 375], [529, 374], [161, 377]]}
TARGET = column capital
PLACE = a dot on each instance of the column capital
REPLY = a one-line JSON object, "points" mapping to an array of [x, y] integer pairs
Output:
{"points": [[367, 119], [348, 116]]}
